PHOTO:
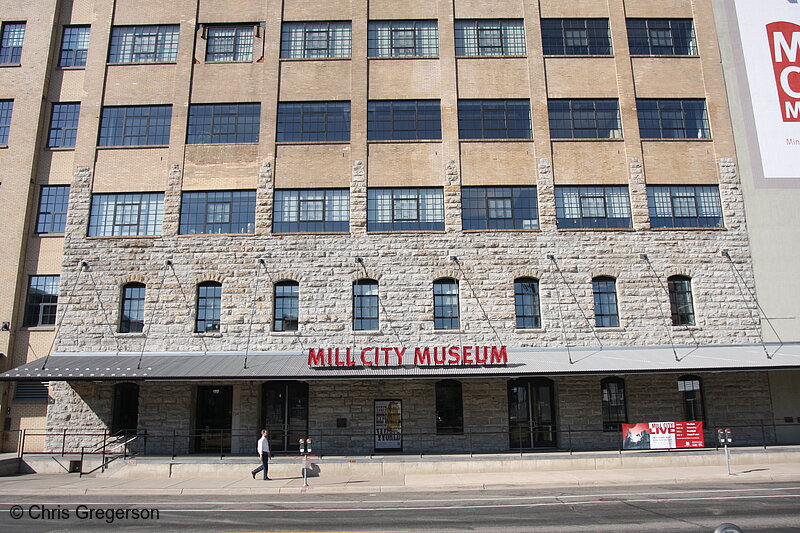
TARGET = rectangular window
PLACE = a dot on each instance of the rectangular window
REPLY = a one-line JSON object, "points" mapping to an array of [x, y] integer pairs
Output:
{"points": [[209, 307], [403, 38], [316, 40], [606, 313], [12, 34], [494, 119], [42, 301], [214, 212], [584, 119], [144, 44], [313, 121], [132, 315], [684, 206], [74, 46], [141, 125], [499, 208], [403, 120], [230, 42], [223, 123], [673, 119], [576, 37], [593, 207], [404, 209], [662, 37], [287, 306], [64, 125], [121, 215], [485, 37], [32, 391], [445, 304], [6, 108], [52, 214], [311, 211]]}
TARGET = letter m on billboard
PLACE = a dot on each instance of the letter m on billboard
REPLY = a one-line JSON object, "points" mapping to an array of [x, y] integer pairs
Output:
{"points": [[784, 44]]}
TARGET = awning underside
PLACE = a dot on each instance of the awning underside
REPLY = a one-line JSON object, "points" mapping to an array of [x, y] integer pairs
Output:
{"points": [[180, 366]]}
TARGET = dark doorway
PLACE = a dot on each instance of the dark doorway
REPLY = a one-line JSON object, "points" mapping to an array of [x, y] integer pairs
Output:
{"points": [[125, 417], [531, 413], [213, 421], [285, 413]]}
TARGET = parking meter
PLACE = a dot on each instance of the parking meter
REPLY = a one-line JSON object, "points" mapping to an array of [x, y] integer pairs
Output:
{"points": [[305, 449], [725, 439]]}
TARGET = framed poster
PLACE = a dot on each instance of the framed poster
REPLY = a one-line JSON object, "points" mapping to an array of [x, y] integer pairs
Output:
{"points": [[662, 435], [389, 425]]}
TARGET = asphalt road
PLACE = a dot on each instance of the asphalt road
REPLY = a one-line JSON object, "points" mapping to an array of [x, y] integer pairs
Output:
{"points": [[765, 507]]}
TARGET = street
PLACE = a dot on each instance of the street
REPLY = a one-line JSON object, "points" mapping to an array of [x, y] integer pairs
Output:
{"points": [[754, 507]]}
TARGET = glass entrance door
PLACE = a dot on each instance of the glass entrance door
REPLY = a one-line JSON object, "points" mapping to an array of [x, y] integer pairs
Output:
{"points": [[285, 412], [213, 420], [531, 413]]}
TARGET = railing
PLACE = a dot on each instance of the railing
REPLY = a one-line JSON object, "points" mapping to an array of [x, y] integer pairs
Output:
{"points": [[347, 441]]}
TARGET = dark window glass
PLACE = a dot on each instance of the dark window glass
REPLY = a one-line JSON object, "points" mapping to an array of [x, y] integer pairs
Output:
{"points": [[404, 209], [313, 121], [6, 108], [499, 208], [606, 314], [673, 119], [526, 303], [584, 119], [403, 38], [63, 125], [223, 123], [52, 214], [144, 44], [139, 125], [229, 43], [680, 300], [445, 304], [365, 305], [311, 210], [449, 407], [118, 215], [574, 37], [287, 306], [218, 212], [12, 34], [684, 206], [494, 119], [593, 207], [400, 120], [691, 389], [74, 46], [42, 301], [487, 37], [209, 306], [615, 412], [673, 37], [132, 319], [316, 40]]}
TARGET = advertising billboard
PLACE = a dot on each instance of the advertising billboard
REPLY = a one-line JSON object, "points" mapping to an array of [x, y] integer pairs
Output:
{"points": [[662, 435]]}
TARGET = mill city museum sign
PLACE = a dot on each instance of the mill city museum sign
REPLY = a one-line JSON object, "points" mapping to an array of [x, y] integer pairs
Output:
{"points": [[419, 357]]}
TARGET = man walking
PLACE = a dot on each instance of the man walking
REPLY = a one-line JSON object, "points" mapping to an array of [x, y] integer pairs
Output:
{"points": [[263, 451]]}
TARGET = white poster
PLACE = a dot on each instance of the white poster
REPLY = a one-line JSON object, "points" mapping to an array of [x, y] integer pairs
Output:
{"points": [[770, 33]]}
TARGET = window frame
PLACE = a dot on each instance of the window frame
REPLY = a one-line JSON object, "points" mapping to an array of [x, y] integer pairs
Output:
{"points": [[449, 394], [527, 304], [428, 206], [334, 203], [555, 38], [520, 201], [163, 39], [580, 114], [606, 193], [614, 404], [366, 305], [334, 119], [704, 199], [446, 305], [395, 113], [51, 214], [672, 112], [511, 33], [6, 114], [283, 305], [641, 39], [212, 119], [239, 41], [491, 113], [149, 214], [11, 52], [419, 48], [681, 301], [74, 50], [64, 120], [606, 302], [41, 309], [125, 121], [131, 312], [333, 49], [240, 211], [208, 311], [692, 403]]}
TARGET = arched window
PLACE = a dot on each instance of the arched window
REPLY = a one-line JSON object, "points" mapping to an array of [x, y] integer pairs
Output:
{"points": [[287, 306], [445, 304], [526, 303], [132, 312], [606, 314], [449, 407], [691, 390], [680, 300], [615, 410], [209, 306], [365, 304]]}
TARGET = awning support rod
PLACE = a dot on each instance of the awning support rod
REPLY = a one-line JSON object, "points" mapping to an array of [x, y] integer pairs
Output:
{"points": [[83, 265], [261, 263], [646, 259], [552, 258], [148, 324]]}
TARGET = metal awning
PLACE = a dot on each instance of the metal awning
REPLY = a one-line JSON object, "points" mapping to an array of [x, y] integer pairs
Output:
{"points": [[186, 366]]}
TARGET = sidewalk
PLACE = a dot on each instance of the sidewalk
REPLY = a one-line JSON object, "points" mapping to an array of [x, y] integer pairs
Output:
{"points": [[661, 470]]}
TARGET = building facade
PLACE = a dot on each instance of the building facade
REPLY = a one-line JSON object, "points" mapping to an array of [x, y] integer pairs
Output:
{"points": [[391, 226]]}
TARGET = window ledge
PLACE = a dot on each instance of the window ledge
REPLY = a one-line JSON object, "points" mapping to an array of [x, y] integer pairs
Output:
{"points": [[686, 328], [288, 233], [683, 139], [285, 333], [594, 229], [573, 56], [593, 139], [249, 61], [315, 59], [53, 235], [403, 141], [180, 235], [502, 230], [143, 63], [3, 146], [666, 56], [39, 328], [366, 332], [123, 237], [207, 334], [529, 331], [689, 228], [10, 65], [448, 331], [610, 329], [526, 140], [493, 57], [384, 58], [73, 68], [136, 335], [132, 147], [222, 144], [405, 232], [300, 143], [60, 148]]}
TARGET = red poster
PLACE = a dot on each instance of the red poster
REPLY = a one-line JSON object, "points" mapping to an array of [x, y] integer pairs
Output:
{"points": [[662, 435], [689, 435]]}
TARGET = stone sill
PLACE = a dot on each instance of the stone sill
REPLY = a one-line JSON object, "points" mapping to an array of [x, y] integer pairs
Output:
{"points": [[594, 229], [212, 335], [688, 229], [403, 141], [406, 232], [502, 230], [686, 328], [616, 329], [592, 139], [10, 65], [579, 56], [493, 57], [282, 59], [49, 235], [285, 333], [304, 143], [530, 331], [525, 140], [207, 62], [448, 331], [3, 146], [287, 233], [190, 235], [367, 332], [222, 144], [38, 328], [136, 335], [401, 58], [95, 237], [139, 63], [667, 56], [132, 147], [73, 68], [60, 148], [685, 139]]}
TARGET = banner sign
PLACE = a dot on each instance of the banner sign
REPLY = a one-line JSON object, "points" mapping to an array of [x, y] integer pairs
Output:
{"points": [[388, 425], [662, 435], [419, 357]]}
